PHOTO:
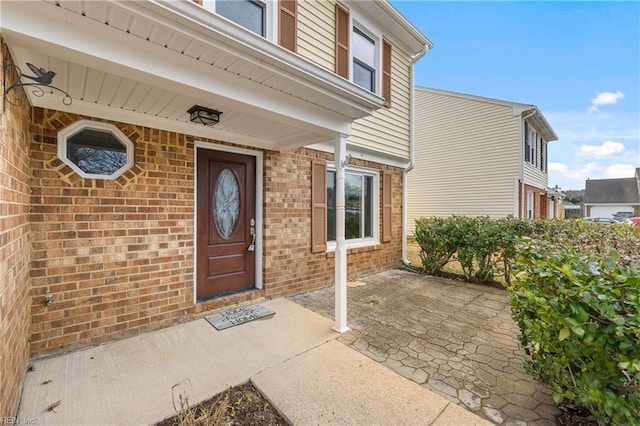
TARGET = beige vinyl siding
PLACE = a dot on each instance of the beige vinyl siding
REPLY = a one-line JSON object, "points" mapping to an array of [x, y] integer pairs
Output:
{"points": [[387, 130], [316, 32], [534, 176], [467, 157]]}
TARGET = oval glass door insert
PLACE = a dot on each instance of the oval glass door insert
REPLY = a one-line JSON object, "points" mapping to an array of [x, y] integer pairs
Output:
{"points": [[227, 203]]}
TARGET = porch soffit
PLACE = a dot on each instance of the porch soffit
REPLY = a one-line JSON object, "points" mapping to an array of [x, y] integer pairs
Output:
{"points": [[127, 61]]}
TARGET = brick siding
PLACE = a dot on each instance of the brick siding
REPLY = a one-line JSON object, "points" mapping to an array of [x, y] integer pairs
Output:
{"points": [[117, 256], [14, 245], [540, 206]]}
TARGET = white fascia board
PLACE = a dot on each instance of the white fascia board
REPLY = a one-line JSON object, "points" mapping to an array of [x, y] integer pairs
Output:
{"points": [[515, 105], [536, 185], [49, 29], [542, 125], [361, 154], [403, 32]]}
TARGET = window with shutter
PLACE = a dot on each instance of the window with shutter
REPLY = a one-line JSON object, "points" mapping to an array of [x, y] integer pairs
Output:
{"points": [[386, 73], [342, 41], [542, 155], [287, 18], [318, 206], [386, 207]]}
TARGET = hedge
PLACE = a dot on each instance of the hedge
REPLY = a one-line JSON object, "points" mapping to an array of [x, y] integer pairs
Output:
{"points": [[575, 294]]}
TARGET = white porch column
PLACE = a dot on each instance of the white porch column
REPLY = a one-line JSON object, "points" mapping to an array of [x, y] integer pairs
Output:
{"points": [[341, 251]]}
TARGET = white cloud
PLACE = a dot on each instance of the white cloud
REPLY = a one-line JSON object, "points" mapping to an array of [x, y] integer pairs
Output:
{"points": [[607, 149], [558, 168], [574, 177], [619, 171], [605, 98]]}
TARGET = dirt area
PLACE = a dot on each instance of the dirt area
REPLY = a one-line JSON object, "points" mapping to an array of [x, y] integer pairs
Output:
{"points": [[240, 405]]}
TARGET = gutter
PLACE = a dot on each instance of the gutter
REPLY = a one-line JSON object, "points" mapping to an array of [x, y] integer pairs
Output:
{"points": [[412, 135]]}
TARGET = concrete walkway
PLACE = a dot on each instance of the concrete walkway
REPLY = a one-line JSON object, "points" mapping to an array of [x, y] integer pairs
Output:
{"points": [[292, 357], [456, 339]]}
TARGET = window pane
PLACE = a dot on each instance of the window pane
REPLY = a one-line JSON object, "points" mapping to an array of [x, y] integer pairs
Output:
{"points": [[96, 152], [247, 13], [331, 206], [364, 48], [353, 206], [368, 206], [363, 76]]}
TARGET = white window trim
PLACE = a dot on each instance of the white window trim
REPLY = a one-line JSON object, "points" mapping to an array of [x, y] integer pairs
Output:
{"points": [[271, 17], [367, 241], [375, 33], [77, 127]]}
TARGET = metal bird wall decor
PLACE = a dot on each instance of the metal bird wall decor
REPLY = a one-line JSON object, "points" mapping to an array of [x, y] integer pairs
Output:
{"points": [[41, 80]]}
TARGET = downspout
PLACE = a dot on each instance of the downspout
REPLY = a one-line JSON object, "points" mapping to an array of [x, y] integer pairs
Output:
{"points": [[412, 134]]}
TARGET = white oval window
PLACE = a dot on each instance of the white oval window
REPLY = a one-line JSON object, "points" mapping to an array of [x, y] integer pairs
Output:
{"points": [[95, 150], [227, 203]]}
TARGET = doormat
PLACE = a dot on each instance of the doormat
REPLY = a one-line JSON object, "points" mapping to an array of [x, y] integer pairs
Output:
{"points": [[237, 316]]}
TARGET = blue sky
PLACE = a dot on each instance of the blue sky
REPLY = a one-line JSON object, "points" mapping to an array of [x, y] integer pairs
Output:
{"points": [[578, 62]]}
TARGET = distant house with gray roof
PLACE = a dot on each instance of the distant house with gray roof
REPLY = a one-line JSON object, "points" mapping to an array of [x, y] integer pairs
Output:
{"points": [[605, 197]]}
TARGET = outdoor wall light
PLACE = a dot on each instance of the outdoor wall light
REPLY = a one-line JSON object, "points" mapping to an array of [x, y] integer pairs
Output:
{"points": [[203, 115]]}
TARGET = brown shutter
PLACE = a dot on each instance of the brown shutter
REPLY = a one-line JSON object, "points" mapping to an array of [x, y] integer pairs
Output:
{"points": [[386, 207], [342, 41], [386, 73], [318, 206], [198, 1], [287, 17]]}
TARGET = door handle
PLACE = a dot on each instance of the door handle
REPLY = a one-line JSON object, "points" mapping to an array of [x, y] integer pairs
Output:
{"points": [[252, 232]]}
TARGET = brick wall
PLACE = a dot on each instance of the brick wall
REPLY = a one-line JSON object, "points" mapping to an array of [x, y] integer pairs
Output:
{"points": [[539, 202], [14, 245], [290, 267], [117, 256]]}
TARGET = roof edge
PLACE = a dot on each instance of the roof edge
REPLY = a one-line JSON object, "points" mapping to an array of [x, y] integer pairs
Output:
{"points": [[519, 108]]}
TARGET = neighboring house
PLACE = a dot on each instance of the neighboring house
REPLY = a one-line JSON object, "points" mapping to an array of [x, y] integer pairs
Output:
{"points": [[127, 207], [605, 197], [477, 156], [555, 203]]}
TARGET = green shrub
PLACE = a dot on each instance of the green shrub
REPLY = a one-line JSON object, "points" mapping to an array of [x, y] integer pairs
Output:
{"points": [[484, 247], [579, 315], [575, 296], [438, 240]]}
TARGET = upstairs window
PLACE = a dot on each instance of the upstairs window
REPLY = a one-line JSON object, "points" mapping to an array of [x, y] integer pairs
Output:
{"points": [[364, 60], [530, 144], [361, 54], [250, 14], [95, 150]]}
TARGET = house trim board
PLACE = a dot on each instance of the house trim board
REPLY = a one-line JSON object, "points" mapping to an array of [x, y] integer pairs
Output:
{"points": [[357, 153]]}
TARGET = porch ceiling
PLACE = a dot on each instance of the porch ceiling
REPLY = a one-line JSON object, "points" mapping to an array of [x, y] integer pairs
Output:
{"points": [[147, 63]]}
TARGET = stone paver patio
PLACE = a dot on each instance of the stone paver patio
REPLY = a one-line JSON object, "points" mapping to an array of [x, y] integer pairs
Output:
{"points": [[454, 338]]}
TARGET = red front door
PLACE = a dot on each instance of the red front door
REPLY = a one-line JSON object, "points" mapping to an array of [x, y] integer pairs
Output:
{"points": [[226, 222]]}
